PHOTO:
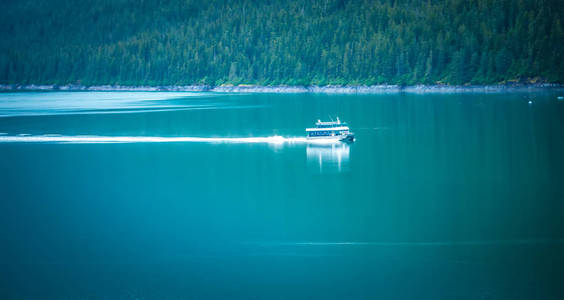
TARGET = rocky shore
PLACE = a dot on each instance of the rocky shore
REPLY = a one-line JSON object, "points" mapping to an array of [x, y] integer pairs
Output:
{"points": [[328, 89]]}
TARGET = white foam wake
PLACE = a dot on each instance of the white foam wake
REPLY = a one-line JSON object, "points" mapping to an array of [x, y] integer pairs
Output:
{"points": [[80, 139], [431, 243]]}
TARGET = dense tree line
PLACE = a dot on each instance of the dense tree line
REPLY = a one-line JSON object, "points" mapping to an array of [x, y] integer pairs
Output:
{"points": [[157, 42]]}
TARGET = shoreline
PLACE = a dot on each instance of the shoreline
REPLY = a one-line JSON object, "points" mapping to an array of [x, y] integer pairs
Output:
{"points": [[298, 89]]}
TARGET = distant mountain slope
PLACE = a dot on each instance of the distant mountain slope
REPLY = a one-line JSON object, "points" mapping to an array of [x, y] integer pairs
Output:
{"points": [[152, 42]]}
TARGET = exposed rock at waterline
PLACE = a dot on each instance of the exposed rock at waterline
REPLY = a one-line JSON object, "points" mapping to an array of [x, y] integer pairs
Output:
{"points": [[328, 89]]}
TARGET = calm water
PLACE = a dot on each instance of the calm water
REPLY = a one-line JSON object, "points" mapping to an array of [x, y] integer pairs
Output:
{"points": [[195, 195]]}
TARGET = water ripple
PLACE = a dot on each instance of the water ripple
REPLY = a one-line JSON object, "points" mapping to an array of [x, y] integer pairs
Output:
{"points": [[65, 103]]}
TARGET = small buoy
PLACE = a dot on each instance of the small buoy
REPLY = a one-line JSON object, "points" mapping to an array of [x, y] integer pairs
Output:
{"points": [[530, 102]]}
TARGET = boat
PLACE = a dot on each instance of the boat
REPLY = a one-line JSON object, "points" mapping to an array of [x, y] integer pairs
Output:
{"points": [[333, 131]]}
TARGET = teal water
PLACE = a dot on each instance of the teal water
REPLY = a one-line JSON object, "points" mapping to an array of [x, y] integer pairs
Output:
{"points": [[197, 195]]}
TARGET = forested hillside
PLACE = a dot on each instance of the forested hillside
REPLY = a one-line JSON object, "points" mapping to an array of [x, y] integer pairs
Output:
{"points": [[152, 42]]}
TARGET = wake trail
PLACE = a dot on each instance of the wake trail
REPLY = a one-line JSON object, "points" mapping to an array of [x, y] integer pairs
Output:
{"points": [[432, 243], [85, 139]]}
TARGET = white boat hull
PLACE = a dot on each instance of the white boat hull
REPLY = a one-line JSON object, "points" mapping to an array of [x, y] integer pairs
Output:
{"points": [[330, 139]]}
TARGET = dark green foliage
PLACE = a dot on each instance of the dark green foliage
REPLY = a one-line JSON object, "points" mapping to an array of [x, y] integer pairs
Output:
{"points": [[153, 42]]}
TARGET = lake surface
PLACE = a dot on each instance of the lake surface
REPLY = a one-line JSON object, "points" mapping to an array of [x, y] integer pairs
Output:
{"points": [[131, 195]]}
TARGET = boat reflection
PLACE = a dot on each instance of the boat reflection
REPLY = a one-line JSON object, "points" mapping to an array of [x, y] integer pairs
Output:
{"points": [[328, 158]]}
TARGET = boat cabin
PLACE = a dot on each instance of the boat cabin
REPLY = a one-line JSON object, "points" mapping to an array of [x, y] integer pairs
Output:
{"points": [[333, 128]]}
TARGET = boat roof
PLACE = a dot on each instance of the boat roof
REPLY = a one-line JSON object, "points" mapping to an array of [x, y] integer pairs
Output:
{"points": [[328, 123]]}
